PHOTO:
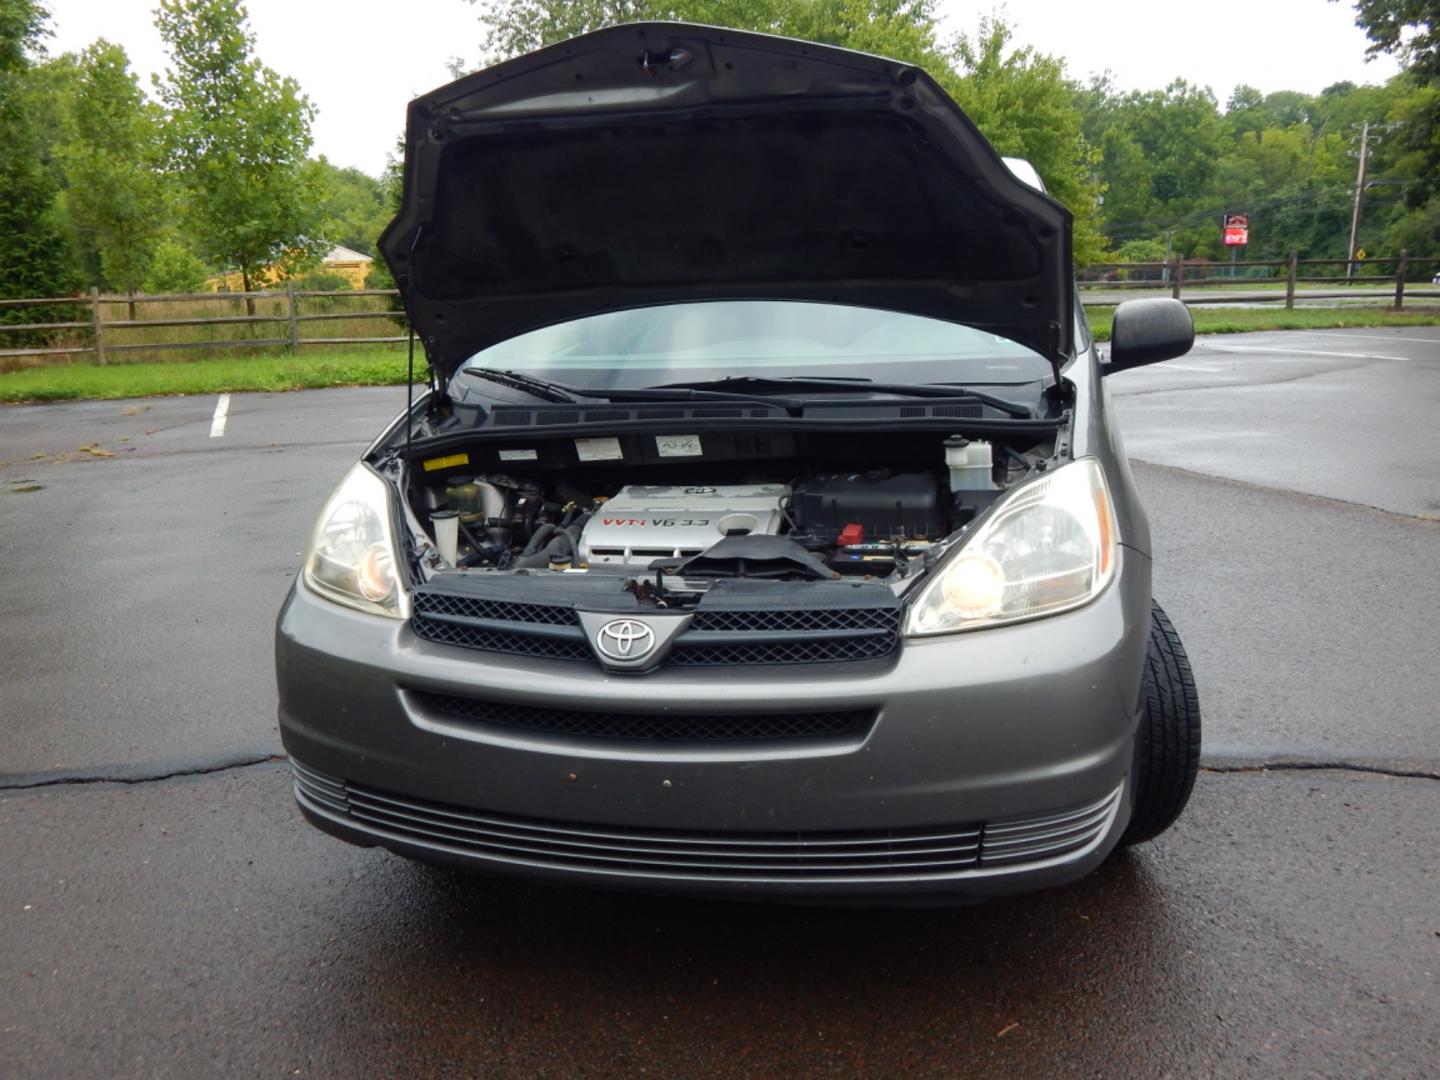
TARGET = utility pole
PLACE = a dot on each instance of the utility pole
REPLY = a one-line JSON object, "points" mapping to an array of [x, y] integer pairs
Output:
{"points": [[1359, 201]]}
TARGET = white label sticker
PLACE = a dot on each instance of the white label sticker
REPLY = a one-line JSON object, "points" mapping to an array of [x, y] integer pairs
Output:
{"points": [[598, 449], [678, 445], [519, 455]]}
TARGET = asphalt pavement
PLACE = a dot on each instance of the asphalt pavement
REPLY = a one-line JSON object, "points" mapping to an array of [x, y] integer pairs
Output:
{"points": [[164, 911]]}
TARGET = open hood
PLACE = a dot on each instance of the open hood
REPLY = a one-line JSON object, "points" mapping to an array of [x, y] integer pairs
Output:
{"points": [[660, 163]]}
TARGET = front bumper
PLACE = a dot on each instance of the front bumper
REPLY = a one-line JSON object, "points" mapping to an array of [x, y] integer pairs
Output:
{"points": [[997, 761]]}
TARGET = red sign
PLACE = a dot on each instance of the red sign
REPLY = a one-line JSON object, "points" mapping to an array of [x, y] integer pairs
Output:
{"points": [[1236, 230]]}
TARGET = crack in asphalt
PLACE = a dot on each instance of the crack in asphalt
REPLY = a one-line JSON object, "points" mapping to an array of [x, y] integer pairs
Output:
{"points": [[1268, 489], [1323, 766], [85, 779]]}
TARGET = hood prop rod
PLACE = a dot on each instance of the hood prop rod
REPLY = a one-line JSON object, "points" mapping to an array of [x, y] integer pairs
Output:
{"points": [[410, 357]]}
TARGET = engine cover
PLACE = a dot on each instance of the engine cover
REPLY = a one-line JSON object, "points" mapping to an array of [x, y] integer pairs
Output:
{"points": [[644, 523]]}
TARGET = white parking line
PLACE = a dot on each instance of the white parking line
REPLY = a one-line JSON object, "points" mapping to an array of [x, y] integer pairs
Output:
{"points": [[1392, 338], [222, 411], [1262, 349]]}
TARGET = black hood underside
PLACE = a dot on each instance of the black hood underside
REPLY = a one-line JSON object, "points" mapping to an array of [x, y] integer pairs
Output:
{"points": [[662, 163]]}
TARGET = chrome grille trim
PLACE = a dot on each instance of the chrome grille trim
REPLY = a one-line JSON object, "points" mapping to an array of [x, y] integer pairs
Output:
{"points": [[1009, 845], [1036, 836]]}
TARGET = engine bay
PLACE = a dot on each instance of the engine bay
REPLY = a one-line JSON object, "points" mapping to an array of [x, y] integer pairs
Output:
{"points": [[871, 505]]}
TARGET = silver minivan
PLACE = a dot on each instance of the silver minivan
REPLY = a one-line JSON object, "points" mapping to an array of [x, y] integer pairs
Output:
{"points": [[764, 529]]}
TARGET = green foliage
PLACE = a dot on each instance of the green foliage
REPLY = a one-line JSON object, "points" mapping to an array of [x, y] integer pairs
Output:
{"points": [[113, 195], [174, 268], [1022, 102], [35, 255], [392, 189], [1172, 164], [22, 32], [1140, 251], [236, 134], [353, 205], [903, 29], [1409, 29]]}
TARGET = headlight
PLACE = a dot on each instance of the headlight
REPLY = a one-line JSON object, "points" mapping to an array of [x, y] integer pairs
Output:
{"points": [[352, 554], [1049, 547]]}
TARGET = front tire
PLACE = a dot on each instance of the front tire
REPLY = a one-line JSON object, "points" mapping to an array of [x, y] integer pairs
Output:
{"points": [[1167, 755]]}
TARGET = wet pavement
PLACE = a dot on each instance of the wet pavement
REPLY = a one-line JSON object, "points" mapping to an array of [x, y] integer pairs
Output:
{"points": [[194, 925]]}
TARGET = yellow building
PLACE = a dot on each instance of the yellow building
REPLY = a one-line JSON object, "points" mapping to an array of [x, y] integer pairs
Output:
{"points": [[351, 265]]}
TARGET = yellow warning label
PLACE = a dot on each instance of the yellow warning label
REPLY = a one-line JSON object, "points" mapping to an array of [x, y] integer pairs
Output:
{"points": [[446, 462], [1360, 254]]}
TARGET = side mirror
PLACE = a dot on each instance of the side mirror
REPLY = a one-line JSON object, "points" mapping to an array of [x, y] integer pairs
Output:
{"points": [[1147, 331]]}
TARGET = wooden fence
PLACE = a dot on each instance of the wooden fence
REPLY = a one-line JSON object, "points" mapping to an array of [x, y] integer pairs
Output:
{"points": [[91, 333], [88, 332], [1398, 273]]}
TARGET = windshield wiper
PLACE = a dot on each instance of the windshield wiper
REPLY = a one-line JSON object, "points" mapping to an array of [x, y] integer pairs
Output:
{"points": [[555, 391], [757, 385], [546, 391]]}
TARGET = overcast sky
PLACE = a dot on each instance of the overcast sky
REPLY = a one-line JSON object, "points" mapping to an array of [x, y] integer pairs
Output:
{"points": [[360, 61]]}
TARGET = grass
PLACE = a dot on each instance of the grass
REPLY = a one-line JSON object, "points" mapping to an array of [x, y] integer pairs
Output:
{"points": [[308, 369], [320, 366], [1221, 320]]}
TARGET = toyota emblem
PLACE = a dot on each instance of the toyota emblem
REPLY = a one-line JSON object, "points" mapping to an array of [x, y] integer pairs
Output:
{"points": [[625, 640]]}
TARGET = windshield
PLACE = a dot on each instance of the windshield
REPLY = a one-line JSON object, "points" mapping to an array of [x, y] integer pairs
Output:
{"points": [[762, 338]]}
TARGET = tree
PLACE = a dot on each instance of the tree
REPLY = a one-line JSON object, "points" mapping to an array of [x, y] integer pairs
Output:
{"points": [[1022, 102], [353, 205], [174, 268], [1410, 30], [903, 29], [237, 135], [113, 197], [35, 257], [392, 189]]}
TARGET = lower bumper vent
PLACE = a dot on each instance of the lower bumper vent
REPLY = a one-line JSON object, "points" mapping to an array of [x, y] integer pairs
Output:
{"points": [[653, 727]]}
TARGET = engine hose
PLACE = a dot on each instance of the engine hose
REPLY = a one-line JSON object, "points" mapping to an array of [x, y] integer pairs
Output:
{"points": [[470, 537], [538, 539], [559, 549], [562, 546]]}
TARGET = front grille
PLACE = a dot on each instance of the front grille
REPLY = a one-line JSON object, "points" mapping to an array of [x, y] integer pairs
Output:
{"points": [[779, 620], [500, 626], [780, 652], [875, 855], [779, 636], [469, 607], [720, 636], [656, 727]]}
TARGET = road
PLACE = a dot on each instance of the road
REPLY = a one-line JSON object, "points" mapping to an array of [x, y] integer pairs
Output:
{"points": [[164, 912]]}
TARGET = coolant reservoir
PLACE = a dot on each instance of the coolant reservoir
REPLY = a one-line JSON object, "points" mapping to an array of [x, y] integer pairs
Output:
{"points": [[971, 465]]}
